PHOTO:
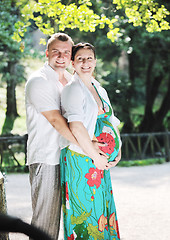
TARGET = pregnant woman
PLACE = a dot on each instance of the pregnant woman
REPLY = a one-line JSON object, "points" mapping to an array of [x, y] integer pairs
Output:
{"points": [[87, 197]]}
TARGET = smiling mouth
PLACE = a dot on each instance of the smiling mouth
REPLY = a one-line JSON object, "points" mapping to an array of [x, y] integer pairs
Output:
{"points": [[85, 68], [60, 62]]}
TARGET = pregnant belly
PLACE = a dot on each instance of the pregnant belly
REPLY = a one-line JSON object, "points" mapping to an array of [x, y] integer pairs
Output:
{"points": [[111, 140]]}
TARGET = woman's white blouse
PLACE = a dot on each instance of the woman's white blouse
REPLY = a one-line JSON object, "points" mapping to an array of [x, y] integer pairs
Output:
{"points": [[78, 104]]}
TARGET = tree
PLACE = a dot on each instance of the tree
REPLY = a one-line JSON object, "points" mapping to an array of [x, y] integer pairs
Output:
{"points": [[58, 14], [11, 69], [157, 83], [147, 82], [116, 24], [11, 54]]}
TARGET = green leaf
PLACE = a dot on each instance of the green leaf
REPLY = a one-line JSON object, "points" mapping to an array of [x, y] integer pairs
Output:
{"points": [[80, 219], [43, 41], [94, 232]]}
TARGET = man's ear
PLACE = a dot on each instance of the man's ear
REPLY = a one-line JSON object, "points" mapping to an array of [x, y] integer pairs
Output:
{"points": [[72, 63], [46, 52]]}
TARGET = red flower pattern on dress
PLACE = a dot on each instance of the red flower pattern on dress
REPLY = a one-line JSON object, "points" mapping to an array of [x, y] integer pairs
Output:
{"points": [[112, 220], [117, 229], [102, 223], [107, 138], [114, 223], [102, 173], [92, 198], [71, 237], [65, 161], [94, 177], [67, 196]]}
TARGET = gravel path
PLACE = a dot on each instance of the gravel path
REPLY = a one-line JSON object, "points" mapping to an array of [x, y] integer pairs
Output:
{"points": [[142, 196]]}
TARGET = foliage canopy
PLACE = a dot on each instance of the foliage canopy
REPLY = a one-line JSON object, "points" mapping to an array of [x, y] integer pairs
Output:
{"points": [[52, 15], [135, 26]]}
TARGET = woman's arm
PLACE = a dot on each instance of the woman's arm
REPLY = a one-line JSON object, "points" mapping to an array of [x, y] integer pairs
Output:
{"points": [[82, 137]]}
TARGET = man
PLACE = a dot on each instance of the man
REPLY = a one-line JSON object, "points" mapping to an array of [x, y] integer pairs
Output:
{"points": [[45, 124]]}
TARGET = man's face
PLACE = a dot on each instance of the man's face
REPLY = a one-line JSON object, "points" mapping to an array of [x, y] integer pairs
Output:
{"points": [[59, 55]]}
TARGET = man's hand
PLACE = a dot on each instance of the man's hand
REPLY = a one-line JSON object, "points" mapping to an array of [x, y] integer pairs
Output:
{"points": [[115, 162]]}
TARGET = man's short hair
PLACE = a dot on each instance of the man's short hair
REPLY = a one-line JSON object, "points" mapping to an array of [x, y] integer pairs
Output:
{"points": [[61, 37]]}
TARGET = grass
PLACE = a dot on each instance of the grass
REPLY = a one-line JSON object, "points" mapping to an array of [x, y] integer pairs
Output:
{"points": [[24, 169], [2, 104], [144, 162], [14, 169]]}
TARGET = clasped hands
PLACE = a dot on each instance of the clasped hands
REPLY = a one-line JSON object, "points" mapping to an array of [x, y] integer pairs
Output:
{"points": [[104, 164]]}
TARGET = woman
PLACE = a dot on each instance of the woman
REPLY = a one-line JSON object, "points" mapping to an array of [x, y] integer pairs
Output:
{"points": [[88, 204]]}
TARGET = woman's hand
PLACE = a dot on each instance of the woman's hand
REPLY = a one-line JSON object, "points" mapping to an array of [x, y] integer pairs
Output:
{"points": [[100, 162], [115, 162], [96, 145]]}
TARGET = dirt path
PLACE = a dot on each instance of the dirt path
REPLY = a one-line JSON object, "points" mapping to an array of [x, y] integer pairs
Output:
{"points": [[142, 196]]}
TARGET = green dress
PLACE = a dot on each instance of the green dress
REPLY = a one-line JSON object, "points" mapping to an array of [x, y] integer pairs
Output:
{"points": [[88, 205]]}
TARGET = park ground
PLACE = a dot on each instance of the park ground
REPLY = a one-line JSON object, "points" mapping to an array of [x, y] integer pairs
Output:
{"points": [[142, 196]]}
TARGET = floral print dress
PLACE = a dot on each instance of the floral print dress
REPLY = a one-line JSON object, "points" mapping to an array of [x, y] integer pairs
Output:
{"points": [[87, 199]]}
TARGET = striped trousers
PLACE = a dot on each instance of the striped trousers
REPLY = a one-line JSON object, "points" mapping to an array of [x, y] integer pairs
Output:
{"points": [[46, 197]]}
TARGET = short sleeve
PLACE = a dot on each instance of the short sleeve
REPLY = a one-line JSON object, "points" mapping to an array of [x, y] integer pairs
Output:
{"points": [[72, 99], [42, 95]]}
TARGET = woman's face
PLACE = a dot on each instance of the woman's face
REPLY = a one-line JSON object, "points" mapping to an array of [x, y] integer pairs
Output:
{"points": [[84, 62]]}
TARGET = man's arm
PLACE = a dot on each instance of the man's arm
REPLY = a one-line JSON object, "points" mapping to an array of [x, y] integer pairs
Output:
{"points": [[60, 124]]}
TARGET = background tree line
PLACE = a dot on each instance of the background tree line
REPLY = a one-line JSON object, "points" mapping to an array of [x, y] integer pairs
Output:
{"points": [[132, 42]]}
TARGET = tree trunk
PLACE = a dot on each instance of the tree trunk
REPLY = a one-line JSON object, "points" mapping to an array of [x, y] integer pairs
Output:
{"points": [[163, 110], [128, 125], [11, 94], [153, 122], [148, 118]]}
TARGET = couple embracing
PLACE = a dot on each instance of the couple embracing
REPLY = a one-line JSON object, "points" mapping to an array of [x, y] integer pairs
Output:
{"points": [[73, 141]]}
